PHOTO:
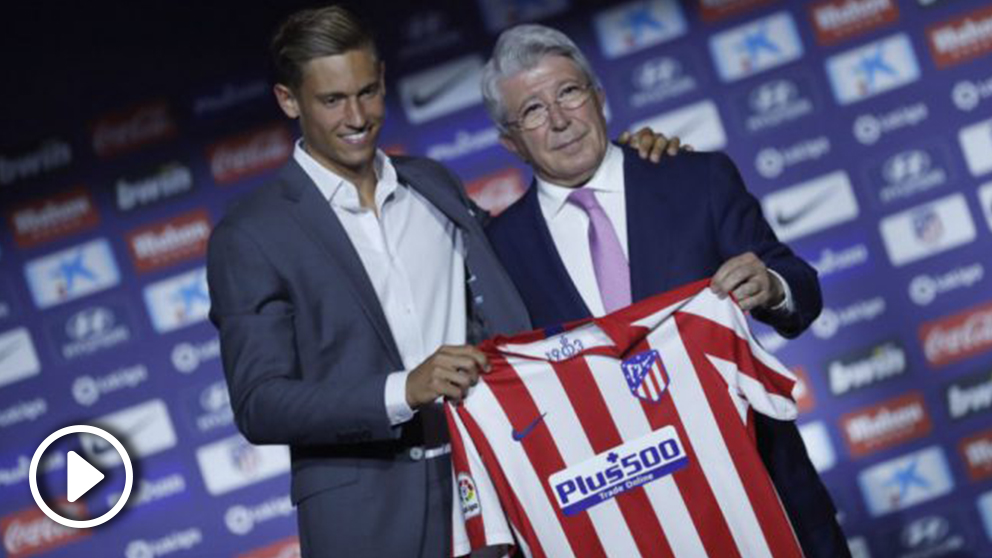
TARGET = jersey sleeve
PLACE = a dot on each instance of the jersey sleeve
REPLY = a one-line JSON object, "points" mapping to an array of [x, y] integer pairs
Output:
{"points": [[479, 522], [720, 329], [766, 384]]}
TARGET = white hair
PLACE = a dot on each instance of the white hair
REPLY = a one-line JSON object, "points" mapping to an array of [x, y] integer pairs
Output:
{"points": [[522, 48]]}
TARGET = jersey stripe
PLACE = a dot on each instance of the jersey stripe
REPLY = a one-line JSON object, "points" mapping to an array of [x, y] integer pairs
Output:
{"points": [[577, 380], [770, 516], [692, 483], [663, 494], [542, 453]]}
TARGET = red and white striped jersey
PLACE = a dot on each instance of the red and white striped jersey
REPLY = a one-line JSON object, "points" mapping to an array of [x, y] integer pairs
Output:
{"points": [[627, 435]]}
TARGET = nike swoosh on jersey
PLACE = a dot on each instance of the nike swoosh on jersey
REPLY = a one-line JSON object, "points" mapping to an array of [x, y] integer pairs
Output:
{"points": [[424, 97], [519, 435], [786, 219]]}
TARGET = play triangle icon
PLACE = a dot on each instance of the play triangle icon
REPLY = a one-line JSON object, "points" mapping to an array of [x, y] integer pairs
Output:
{"points": [[81, 476]]}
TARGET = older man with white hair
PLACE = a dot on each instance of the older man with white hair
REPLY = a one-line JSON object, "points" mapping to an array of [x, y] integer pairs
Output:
{"points": [[600, 229]]}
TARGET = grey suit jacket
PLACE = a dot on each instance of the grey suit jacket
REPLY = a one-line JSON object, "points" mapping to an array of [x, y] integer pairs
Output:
{"points": [[306, 349]]}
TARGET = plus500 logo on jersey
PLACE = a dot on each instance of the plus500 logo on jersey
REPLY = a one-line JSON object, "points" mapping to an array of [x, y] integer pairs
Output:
{"points": [[615, 471]]}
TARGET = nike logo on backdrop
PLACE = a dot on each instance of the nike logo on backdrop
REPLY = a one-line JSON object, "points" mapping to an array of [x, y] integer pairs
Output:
{"points": [[427, 95], [519, 435], [785, 219]]}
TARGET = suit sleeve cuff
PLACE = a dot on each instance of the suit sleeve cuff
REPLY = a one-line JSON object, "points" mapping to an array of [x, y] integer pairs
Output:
{"points": [[396, 406], [788, 305]]}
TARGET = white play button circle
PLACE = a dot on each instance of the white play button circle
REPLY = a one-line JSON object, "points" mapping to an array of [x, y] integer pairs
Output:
{"points": [[81, 476]]}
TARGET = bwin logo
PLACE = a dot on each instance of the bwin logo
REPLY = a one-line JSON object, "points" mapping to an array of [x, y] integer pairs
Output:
{"points": [[773, 95], [906, 166]]}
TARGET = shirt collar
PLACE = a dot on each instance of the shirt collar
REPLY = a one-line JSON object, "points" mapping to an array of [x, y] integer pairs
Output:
{"points": [[553, 197], [342, 193]]}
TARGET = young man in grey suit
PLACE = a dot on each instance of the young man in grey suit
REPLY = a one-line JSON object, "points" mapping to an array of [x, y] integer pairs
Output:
{"points": [[348, 293]]}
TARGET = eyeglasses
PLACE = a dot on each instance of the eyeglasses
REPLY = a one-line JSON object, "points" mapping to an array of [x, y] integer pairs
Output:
{"points": [[535, 115]]}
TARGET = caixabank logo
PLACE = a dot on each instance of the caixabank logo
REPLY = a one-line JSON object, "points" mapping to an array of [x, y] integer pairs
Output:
{"points": [[635, 26], [178, 301], [872, 69], [906, 481], [72, 273], [756, 46]]}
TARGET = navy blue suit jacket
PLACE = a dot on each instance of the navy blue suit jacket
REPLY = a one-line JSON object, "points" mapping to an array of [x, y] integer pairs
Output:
{"points": [[686, 216]]}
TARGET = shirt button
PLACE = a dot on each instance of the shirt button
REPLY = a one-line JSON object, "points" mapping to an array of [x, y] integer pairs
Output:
{"points": [[416, 453]]}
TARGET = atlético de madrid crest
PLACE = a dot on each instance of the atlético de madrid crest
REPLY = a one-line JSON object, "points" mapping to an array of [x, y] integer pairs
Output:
{"points": [[645, 375]]}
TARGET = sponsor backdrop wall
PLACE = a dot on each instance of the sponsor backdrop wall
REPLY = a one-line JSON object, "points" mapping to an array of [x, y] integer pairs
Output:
{"points": [[864, 127]]}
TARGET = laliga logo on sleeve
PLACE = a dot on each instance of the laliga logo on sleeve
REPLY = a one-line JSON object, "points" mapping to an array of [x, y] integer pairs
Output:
{"points": [[469, 496], [645, 375]]}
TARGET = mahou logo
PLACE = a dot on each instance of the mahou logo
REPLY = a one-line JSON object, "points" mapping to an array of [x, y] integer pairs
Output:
{"points": [[715, 10], [836, 20], [977, 453], [132, 128], [886, 424], [961, 39], [957, 337], [159, 245], [40, 221], [239, 157], [30, 532]]}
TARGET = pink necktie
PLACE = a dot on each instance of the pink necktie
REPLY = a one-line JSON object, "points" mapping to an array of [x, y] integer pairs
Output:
{"points": [[608, 261]]}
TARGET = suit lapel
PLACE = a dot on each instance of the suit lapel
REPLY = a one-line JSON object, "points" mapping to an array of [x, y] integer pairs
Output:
{"points": [[317, 218], [651, 223], [556, 272], [439, 194]]}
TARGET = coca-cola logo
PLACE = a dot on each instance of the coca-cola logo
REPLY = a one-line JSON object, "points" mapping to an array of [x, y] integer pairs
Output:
{"points": [[246, 155], [958, 337], [30, 532], [132, 128]]}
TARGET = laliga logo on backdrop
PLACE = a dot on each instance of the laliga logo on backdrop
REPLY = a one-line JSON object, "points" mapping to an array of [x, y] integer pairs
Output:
{"points": [[923, 289], [177, 541], [869, 128], [967, 95], [187, 357]]}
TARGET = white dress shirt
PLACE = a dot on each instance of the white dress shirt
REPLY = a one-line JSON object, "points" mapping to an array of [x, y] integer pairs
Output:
{"points": [[569, 226], [415, 258]]}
